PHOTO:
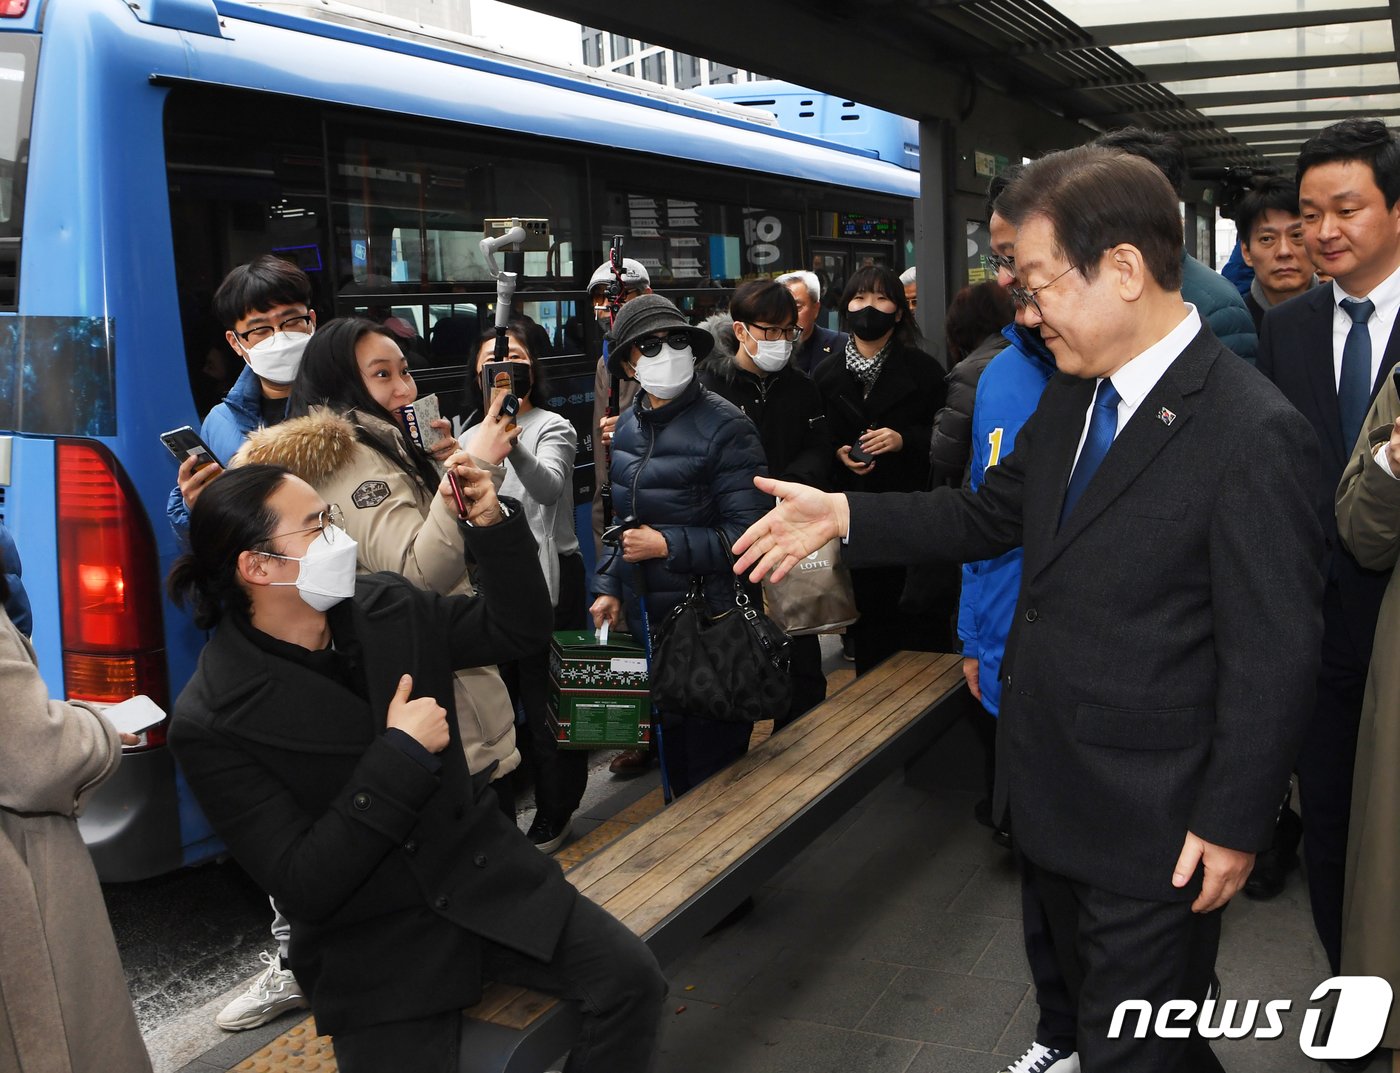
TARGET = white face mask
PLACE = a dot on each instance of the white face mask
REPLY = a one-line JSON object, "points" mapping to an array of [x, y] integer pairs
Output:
{"points": [[327, 572], [278, 358], [772, 354], [667, 374]]}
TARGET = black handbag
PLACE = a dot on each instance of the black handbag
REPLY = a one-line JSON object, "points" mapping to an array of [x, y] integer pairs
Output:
{"points": [[731, 667]]}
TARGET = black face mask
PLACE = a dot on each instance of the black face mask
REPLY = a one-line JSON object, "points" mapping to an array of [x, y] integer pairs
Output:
{"points": [[870, 323]]}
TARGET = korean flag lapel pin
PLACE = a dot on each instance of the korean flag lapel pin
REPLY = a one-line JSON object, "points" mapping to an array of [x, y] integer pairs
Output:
{"points": [[1166, 416]]}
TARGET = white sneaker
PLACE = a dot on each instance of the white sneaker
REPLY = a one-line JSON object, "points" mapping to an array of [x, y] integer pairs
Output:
{"points": [[1042, 1059], [274, 991]]}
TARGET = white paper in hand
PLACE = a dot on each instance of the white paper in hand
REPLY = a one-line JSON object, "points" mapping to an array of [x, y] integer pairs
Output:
{"points": [[134, 715], [602, 633]]}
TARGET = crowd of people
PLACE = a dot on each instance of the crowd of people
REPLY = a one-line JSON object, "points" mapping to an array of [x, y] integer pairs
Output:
{"points": [[1155, 509]]}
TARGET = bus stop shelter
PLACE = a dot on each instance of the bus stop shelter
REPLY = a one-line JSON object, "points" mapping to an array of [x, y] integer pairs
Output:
{"points": [[1240, 82]]}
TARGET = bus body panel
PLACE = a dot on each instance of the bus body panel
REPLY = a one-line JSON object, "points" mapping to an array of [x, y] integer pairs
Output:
{"points": [[97, 253]]}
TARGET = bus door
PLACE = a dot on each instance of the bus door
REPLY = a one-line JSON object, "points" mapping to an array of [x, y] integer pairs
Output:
{"points": [[833, 262]]}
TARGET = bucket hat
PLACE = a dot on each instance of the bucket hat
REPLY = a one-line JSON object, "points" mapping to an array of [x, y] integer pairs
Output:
{"points": [[645, 315]]}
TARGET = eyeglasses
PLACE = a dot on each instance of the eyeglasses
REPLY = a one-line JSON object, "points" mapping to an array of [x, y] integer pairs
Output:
{"points": [[1024, 298], [651, 346], [999, 262], [330, 517], [299, 325], [770, 334]]}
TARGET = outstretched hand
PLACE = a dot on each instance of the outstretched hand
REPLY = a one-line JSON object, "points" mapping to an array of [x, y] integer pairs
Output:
{"points": [[802, 522]]}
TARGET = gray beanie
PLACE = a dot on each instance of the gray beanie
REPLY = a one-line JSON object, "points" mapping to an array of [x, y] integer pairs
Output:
{"points": [[645, 315]]}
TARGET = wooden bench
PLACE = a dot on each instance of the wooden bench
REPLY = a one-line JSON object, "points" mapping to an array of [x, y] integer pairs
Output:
{"points": [[675, 876]]}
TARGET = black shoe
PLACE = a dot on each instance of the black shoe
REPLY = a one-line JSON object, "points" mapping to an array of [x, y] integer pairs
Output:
{"points": [[982, 812], [1347, 1065], [1270, 873], [548, 836], [1002, 837], [1351, 1065]]}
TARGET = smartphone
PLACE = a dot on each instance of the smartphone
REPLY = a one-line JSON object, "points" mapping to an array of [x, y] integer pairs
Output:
{"points": [[184, 442], [418, 418], [462, 502], [510, 377], [134, 715], [859, 453]]}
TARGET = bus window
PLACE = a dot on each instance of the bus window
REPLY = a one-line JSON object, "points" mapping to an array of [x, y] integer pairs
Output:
{"points": [[16, 97], [232, 198], [683, 241], [409, 207]]}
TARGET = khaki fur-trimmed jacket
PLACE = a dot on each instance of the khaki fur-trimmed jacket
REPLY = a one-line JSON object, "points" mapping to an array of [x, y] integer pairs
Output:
{"points": [[401, 526]]}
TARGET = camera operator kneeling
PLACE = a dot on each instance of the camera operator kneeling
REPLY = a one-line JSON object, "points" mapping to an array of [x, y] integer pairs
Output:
{"points": [[318, 737]]}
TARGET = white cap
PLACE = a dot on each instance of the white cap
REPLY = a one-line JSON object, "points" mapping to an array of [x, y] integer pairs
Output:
{"points": [[633, 274]]}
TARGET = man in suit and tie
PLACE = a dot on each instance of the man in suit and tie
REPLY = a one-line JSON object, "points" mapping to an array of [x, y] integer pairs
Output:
{"points": [[1329, 351], [1158, 676], [817, 343]]}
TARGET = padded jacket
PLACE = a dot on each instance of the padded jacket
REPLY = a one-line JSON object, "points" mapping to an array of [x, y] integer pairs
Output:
{"points": [[687, 471], [785, 407], [951, 450], [1221, 306], [403, 527]]}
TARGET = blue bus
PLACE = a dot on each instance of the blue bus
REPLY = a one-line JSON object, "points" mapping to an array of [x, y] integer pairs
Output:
{"points": [[883, 134], [147, 147]]}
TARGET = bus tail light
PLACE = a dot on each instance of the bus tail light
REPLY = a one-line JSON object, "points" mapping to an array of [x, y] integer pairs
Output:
{"points": [[13, 9], [113, 641]]}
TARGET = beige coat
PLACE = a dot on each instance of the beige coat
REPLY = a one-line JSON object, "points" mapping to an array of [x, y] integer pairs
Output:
{"points": [[64, 1006], [402, 527], [1368, 517]]}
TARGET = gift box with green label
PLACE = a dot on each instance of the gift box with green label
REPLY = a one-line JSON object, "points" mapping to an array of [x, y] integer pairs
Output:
{"points": [[599, 694]]}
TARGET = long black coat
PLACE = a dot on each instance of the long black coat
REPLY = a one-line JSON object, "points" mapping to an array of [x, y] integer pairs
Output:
{"points": [[907, 394], [1160, 668], [390, 874]]}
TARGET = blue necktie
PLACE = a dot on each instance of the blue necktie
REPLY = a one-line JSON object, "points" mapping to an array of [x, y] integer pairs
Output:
{"points": [[1354, 389], [1103, 423]]}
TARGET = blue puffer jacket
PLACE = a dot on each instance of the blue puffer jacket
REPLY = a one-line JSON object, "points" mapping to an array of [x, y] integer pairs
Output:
{"points": [[1220, 305], [687, 471], [225, 428], [1007, 394]]}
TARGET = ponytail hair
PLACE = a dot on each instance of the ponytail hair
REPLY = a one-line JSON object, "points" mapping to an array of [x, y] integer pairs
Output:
{"points": [[230, 516]]}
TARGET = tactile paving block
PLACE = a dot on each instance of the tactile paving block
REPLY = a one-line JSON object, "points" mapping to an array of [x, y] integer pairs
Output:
{"points": [[298, 1050]]}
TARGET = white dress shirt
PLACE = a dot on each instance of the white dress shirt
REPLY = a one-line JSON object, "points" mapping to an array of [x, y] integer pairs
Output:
{"points": [[1386, 296], [1140, 375]]}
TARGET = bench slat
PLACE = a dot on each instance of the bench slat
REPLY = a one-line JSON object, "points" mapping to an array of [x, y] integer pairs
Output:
{"points": [[694, 863], [614, 868]]}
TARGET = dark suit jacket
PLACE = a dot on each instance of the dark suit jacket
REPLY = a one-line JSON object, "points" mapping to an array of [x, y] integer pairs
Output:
{"points": [[1295, 352], [390, 874], [1160, 667], [822, 344]]}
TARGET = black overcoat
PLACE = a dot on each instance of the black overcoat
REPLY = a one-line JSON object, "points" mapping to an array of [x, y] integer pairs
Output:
{"points": [[390, 874]]}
